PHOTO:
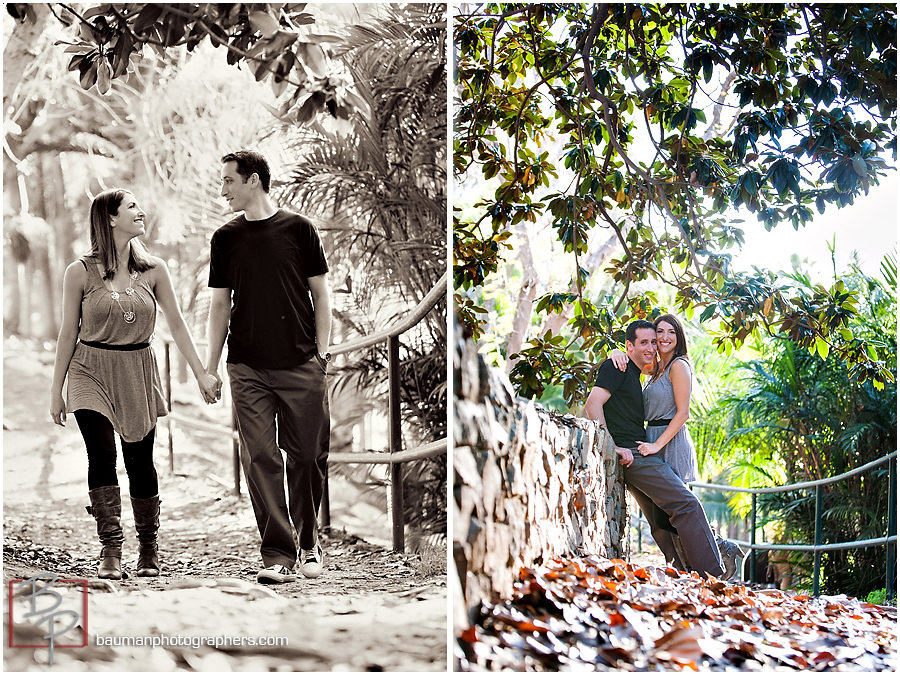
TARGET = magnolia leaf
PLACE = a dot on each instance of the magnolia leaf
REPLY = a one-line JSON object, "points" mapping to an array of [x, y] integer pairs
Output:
{"points": [[88, 70], [278, 86], [303, 19], [822, 348], [104, 75], [320, 38], [75, 63], [355, 101], [310, 107], [261, 69], [263, 22], [313, 58], [80, 48]]}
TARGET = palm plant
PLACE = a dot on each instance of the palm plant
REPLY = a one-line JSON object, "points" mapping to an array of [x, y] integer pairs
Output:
{"points": [[378, 189], [381, 188], [815, 421]]}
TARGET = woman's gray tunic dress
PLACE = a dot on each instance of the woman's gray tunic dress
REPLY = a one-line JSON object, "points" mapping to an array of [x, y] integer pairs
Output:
{"points": [[659, 403]]}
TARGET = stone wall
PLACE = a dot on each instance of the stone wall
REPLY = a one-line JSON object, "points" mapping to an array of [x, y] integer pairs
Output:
{"points": [[528, 485]]}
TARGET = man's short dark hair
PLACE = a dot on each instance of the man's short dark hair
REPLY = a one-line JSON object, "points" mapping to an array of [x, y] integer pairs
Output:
{"points": [[634, 327], [250, 162]]}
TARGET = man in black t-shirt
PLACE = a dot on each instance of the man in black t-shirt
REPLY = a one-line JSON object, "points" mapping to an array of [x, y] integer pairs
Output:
{"points": [[617, 402], [271, 299]]}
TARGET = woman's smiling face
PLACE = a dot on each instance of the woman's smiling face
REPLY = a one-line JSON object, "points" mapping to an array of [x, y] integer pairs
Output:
{"points": [[666, 337], [130, 218]]}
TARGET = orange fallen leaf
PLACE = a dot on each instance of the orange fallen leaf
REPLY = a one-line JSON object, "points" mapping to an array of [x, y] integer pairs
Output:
{"points": [[469, 634], [680, 643]]}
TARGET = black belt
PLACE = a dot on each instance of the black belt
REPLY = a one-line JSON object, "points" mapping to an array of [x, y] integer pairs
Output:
{"points": [[118, 348], [658, 423]]}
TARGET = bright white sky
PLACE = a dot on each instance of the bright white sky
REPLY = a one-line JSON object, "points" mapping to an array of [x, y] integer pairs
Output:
{"points": [[868, 227]]}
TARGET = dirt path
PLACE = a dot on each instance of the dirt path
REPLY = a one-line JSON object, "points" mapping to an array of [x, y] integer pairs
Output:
{"points": [[372, 609]]}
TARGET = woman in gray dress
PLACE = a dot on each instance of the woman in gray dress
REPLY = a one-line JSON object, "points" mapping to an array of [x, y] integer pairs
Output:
{"points": [[110, 301], [667, 401]]}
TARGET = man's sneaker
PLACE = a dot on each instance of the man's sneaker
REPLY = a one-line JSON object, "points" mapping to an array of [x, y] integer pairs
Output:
{"points": [[311, 562], [730, 552], [275, 574]]}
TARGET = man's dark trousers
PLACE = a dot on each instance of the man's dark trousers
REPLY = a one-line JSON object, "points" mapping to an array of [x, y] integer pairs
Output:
{"points": [[673, 510], [297, 398]]}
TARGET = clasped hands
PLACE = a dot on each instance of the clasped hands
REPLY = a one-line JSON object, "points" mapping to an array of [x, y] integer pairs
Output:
{"points": [[210, 386], [626, 455]]}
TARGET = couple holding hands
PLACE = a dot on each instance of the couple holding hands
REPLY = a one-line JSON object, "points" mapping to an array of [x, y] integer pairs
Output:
{"points": [[270, 299]]}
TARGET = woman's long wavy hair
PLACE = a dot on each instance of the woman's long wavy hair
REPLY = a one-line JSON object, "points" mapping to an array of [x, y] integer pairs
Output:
{"points": [[680, 341], [103, 246]]}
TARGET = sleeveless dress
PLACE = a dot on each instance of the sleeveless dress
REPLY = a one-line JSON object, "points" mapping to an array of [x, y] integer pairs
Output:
{"points": [[659, 403], [124, 386]]}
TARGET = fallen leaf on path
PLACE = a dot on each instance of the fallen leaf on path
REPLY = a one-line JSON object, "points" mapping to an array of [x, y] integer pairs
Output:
{"points": [[591, 612]]}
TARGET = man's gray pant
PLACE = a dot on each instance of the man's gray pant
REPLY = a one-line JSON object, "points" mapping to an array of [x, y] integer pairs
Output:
{"points": [[283, 409], [673, 512]]}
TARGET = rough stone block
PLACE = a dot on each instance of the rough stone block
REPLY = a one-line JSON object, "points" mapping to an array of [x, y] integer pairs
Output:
{"points": [[529, 484]]}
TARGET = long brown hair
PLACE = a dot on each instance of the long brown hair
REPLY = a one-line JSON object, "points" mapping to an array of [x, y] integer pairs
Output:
{"points": [[103, 246], [680, 341]]}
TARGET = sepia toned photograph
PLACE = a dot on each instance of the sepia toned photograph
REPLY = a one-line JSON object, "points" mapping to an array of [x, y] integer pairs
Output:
{"points": [[675, 337], [225, 325]]}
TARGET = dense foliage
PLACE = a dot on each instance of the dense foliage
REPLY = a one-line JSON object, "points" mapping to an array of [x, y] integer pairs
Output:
{"points": [[802, 418], [380, 189], [271, 38], [800, 101]]}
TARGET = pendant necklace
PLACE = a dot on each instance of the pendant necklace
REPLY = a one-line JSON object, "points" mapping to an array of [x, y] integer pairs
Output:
{"points": [[128, 315]]}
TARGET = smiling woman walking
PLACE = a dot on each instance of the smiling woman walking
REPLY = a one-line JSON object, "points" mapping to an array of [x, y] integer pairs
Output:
{"points": [[108, 317]]}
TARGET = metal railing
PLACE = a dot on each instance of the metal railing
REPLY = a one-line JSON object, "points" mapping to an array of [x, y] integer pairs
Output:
{"points": [[889, 540], [395, 456]]}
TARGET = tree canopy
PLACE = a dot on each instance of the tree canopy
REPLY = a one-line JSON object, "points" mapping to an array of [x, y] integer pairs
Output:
{"points": [[674, 120], [273, 39]]}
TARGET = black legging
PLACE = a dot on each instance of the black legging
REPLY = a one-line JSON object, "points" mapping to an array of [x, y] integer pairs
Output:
{"points": [[100, 440]]}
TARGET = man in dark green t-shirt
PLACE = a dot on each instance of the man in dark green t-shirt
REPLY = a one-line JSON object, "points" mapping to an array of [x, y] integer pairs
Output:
{"points": [[617, 402], [271, 299]]}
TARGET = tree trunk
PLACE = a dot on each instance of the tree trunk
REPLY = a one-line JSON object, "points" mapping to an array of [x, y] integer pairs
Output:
{"points": [[12, 313], [712, 129], [525, 302], [24, 319], [555, 322], [19, 52], [21, 49], [47, 208], [59, 216], [49, 323]]}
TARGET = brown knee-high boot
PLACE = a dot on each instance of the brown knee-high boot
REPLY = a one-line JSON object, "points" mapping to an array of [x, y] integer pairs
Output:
{"points": [[106, 507], [146, 522]]}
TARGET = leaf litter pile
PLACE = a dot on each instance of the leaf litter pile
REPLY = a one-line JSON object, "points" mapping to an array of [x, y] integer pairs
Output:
{"points": [[594, 613]]}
